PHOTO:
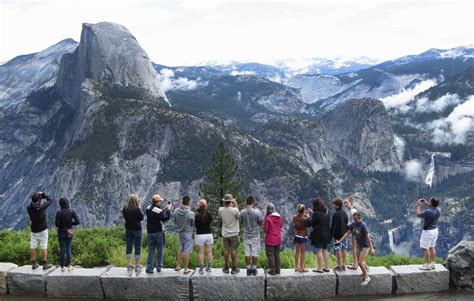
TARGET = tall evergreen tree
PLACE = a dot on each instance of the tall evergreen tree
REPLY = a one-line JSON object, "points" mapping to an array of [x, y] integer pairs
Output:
{"points": [[222, 178]]}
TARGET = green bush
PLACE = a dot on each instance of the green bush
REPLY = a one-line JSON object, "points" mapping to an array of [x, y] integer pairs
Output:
{"points": [[103, 246]]}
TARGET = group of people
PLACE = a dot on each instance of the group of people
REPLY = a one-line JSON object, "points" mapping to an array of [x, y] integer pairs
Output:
{"points": [[325, 227]]}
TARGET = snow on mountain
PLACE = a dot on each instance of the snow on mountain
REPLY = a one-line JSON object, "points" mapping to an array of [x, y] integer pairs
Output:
{"points": [[26, 73]]}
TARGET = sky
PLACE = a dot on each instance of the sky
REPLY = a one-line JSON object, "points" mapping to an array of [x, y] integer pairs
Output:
{"points": [[189, 32]]}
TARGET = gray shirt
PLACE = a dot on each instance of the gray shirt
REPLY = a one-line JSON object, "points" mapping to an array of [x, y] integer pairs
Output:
{"points": [[252, 219]]}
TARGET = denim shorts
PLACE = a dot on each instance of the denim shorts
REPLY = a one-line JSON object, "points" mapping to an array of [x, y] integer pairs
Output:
{"points": [[342, 246], [318, 247], [300, 239], [186, 242]]}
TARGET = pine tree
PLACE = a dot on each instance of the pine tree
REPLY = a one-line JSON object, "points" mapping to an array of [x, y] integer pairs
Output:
{"points": [[222, 178]]}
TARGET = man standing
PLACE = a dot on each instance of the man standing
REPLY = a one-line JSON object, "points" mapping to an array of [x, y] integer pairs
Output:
{"points": [[229, 217], [156, 217], [39, 227], [184, 220], [429, 235], [251, 220]]}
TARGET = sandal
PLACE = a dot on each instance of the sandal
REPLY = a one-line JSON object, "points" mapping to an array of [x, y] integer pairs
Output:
{"points": [[318, 271], [303, 270], [187, 272], [177, 269], [326, 270], [351, 268]]}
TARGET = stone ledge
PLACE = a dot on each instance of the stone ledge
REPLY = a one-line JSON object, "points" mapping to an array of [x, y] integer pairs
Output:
{"points": [[301, 286], [26, 281], [217, 285], [167, 285], [79, 282], [4, 268], [349, 282], [410, 279]]}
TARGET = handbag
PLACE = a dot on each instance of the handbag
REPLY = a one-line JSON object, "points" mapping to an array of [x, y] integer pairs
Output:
{"points": [[70, 233]]}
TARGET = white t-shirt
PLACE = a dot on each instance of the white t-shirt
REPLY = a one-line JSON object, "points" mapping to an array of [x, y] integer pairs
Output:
{"points": [[351, 218]]}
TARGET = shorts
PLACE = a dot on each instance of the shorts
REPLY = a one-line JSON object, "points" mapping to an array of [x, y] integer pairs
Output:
{"points": [[300, 239], [362, 252], [428, 238], [318, 247], [231, 243], [252, 246], [204, 239], [39, 238], [186, 242], [342, 246]]}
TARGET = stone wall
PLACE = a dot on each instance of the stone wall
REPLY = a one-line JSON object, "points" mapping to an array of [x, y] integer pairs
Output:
{"points": [[116, 283]]}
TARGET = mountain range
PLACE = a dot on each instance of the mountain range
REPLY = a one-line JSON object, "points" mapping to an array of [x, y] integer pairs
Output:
{"points": [[97, 120]]}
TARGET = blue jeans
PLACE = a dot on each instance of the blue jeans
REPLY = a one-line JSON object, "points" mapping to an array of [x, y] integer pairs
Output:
{"points": [[133, 238], [64, 249], [155, 241]]}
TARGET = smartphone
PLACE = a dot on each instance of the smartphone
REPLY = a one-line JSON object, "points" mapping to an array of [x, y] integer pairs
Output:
{"points": [[337, 244], [169, 202]]}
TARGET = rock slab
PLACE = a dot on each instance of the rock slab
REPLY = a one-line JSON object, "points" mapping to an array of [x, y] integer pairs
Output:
{"points": [[460, 263], [166, 285], [79, 282], [4, 268], [217, 285], [26, 281], [410, 279], [291, 285], [350, 282]]}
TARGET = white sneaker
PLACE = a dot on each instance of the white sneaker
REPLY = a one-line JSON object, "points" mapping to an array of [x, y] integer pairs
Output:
{"points": [[425, 267], [70, 268], [366, 281], [63, 269], [433, 266]]}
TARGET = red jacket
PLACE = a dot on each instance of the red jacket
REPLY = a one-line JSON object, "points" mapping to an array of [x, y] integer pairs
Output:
{"points": [[272, 229]]}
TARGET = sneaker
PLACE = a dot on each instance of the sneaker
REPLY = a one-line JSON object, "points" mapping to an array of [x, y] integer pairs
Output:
{"points": [[149, 271], [201, 270], [255, 272], [235, 271], [433, 266], [271, 272], [158, 270], [226, 269], [138, 269], [249, 272], [277, 271], [425, 267], [70, 268], [63, 269], [130, 269], [208, 268], [366, 281], [46, 266], [34, 265]]}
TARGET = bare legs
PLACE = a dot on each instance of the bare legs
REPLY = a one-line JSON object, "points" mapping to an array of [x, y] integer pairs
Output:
{"points": [[201, 254], [322, 256], [354, 254], [44, 254], [433, 254], [299, 257]]}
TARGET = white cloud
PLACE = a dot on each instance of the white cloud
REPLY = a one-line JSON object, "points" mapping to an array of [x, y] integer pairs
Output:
{"points": [[413, 170], [454, 128], [424, 105], [401, 100], [400, 146], [169, 82], [235, 73]]}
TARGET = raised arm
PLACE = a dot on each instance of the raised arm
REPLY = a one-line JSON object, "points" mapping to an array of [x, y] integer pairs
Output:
{"points": [[48, 202]]}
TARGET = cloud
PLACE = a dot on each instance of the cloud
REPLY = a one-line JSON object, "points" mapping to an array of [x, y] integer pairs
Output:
{"points": [[400, 101], [169, 82], [235, 73], [400, 146], [454, 128], [413, 170], [424, 105]]}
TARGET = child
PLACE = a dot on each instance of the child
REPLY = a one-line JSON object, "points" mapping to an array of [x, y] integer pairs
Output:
{"points": [[338, 228], [272, 229], [364, 243], [301, 222]]}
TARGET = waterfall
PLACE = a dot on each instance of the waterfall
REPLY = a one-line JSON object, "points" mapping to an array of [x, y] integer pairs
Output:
{"points": [[430, 175], [390, 238]]}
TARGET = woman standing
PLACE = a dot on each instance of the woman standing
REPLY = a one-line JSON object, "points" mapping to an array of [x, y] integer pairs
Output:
{"points": [[301, 222], [204, 237], [320, 237], [65, 219], [272, 229], [133, 232]]}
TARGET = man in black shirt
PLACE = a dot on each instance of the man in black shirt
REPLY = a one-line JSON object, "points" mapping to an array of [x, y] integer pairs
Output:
{"points": [[39, 227]]}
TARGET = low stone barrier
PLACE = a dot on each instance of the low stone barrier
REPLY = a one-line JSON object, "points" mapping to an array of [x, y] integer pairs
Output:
{"points": [[79, 282], [349, 282], [217, 285], [26, 281], [293, 285], [166, 285], [4, 268], [410, 279]]}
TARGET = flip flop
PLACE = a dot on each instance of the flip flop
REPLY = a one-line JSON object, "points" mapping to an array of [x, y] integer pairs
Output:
{"points": [[351, 268], [326, 270], [187, 272], [318, 271], [177, 269]]}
